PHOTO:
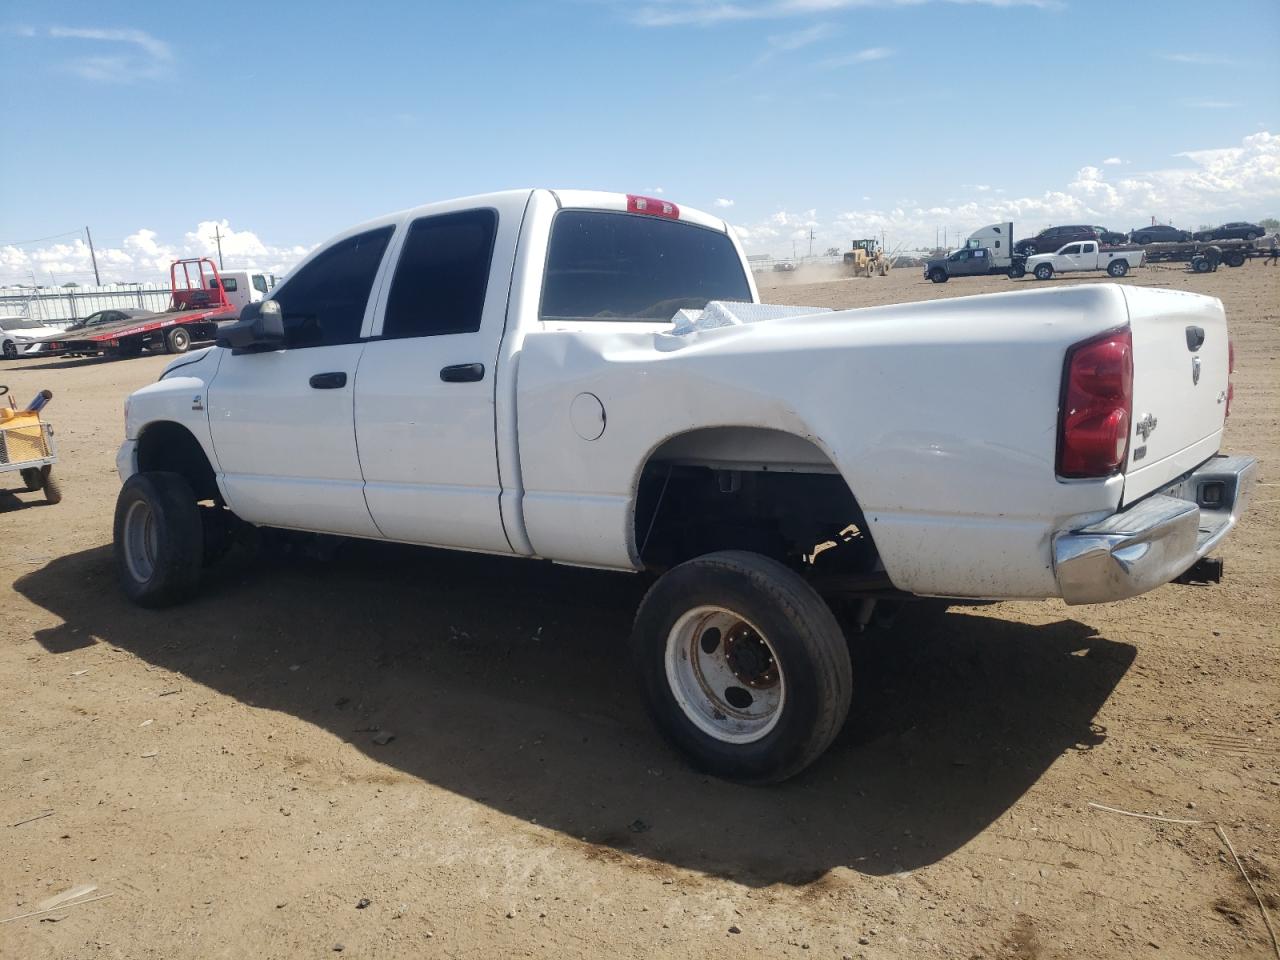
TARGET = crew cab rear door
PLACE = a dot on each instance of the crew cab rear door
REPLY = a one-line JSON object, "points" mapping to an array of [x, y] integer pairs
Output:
{"points": [[424, 404]]}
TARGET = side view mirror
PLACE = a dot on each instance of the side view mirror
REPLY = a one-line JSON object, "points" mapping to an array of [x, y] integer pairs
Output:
{"points": [[260, 328]]}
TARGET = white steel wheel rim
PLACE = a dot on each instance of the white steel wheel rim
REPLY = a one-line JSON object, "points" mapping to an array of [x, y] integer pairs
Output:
{"points": [[141, 541], [725, 675]]}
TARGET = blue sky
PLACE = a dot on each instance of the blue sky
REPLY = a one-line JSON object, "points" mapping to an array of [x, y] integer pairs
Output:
{"points": [[285, 123]]}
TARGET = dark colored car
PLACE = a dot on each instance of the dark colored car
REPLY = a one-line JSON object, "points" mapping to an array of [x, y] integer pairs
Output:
{"points": [[1237, 230], [1054, 238], [1159, 233], [109, 316], [1109, 238]]}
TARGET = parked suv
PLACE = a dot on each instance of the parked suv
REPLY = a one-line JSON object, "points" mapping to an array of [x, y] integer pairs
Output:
{"points": [[1237, 230], [1054, 238], [1159, 233]]}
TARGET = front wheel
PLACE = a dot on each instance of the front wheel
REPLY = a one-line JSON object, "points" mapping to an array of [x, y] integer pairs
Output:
{"points": [[1251, 236], [159, 539], [938, 276], [10, 350], [1044, 271], [1117, 268], [743, 665]]}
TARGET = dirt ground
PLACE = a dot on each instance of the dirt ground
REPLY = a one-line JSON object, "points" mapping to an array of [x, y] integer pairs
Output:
{"points": [[213, 768]]}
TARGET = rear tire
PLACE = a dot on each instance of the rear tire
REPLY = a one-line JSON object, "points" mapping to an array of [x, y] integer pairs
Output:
{"points": [[178, 340], [129, 349], [159, 539], [1201, 265], [52, 489], [1251, 236], [32, 478], [1044, 271], [743, 665], [938, 275], [1117, 268], [1235, 258]]}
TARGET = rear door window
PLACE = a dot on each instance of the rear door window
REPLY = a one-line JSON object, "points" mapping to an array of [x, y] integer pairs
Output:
{"points": [[324, 302], [440, 281], [619, 266]]}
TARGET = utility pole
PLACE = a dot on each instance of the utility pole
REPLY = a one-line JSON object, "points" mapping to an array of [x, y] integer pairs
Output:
{"points": [[811, 243], [217, 236], [94, 257]]}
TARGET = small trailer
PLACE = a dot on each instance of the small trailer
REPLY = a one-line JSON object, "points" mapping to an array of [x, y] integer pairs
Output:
{"points": [[1233, 252], [196, 308]]}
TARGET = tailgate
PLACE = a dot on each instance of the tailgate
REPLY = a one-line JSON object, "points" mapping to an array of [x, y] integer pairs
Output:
{"points": [[1180, 358]]}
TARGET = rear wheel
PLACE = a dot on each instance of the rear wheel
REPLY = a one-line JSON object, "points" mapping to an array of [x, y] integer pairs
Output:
{"points": [[1117, 268], [1201, 265], [1235, 258], [1044, 271], [52, 489], [129, 348], [32, 478], [1251, 235], [938, 275], [178, 340], [743, 666], [159, 539]]}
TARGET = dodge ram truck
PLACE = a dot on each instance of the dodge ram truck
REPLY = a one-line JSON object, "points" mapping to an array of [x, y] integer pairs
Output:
{"points": [[590, 378]]}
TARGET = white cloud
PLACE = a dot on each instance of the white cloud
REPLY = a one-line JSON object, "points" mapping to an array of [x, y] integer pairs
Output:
{"points": [[142, 256], [1197, 59], [137, 55], [1112, 162], [703, 13], [654, 191], [1206, 185], [796, 40], [868, 55], [723, 202]]}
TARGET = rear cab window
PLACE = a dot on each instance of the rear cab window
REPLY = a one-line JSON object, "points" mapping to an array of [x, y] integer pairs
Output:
{"points": [[604, 265]]}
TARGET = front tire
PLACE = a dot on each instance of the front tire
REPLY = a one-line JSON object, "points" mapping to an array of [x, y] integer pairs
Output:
{"points": [[10, 350], [1044, 271], [1117, 268], [1251, 236], [159, 539], [52, 489], [743, 665], [938, 275]]}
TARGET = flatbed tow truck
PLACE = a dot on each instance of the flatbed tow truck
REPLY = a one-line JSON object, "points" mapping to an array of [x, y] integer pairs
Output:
{"points": [[195, 310], [1234, 252]]}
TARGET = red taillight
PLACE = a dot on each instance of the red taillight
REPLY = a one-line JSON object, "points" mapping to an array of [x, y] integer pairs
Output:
{"points": [[1097, 405], [652, 207], [1231, 368]]}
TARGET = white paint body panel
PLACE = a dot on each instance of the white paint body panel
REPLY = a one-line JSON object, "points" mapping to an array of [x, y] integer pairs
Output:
{"points": [[940, 416]]}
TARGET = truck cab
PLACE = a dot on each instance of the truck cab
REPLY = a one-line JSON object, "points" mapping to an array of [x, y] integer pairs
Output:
{"points": [[244, 286]]}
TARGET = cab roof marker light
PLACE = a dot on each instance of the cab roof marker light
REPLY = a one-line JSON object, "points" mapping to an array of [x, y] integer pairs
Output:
{"points": [[652, 207]]}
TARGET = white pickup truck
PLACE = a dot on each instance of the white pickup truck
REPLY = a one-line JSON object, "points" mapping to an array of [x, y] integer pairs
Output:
{"points": [[1086, 255], [588, 378]]}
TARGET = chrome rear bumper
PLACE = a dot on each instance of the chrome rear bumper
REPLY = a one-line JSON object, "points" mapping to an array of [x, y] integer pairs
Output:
{"points": [[1157, 539]]}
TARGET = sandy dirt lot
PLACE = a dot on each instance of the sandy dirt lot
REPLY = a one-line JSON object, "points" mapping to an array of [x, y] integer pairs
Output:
{"points": [[213, 768]]}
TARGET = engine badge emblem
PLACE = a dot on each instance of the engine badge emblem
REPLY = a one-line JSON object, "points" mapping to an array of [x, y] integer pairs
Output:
{"points": [[1146, 426]]}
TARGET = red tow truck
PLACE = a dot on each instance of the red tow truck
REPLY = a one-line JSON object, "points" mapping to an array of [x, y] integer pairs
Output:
{"points": [[195, 310]]}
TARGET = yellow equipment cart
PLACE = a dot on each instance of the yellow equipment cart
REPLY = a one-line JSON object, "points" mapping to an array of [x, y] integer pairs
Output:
{"points": [[26, 444]]}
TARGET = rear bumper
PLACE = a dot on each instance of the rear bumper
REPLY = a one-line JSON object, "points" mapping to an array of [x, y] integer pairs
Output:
{"points": [[1157, 539]]}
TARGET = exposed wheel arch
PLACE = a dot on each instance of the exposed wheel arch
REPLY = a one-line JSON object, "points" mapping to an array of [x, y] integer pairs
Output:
{"points": [[170, 447], [744, 488]]}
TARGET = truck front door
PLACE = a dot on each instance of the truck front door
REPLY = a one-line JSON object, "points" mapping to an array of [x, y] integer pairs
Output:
{"points": [[425, 390], [283, 421]]}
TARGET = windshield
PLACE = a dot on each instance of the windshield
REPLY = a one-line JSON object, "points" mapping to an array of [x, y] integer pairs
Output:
{"points": [[619, 266], [16, 323]]}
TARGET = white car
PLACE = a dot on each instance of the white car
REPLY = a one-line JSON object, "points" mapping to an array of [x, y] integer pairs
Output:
{"points": [[19, 336], [588, 378], [1085, 255]]}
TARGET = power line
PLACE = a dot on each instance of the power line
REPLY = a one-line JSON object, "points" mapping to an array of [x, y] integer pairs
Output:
{"points": [[23, 243]]}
